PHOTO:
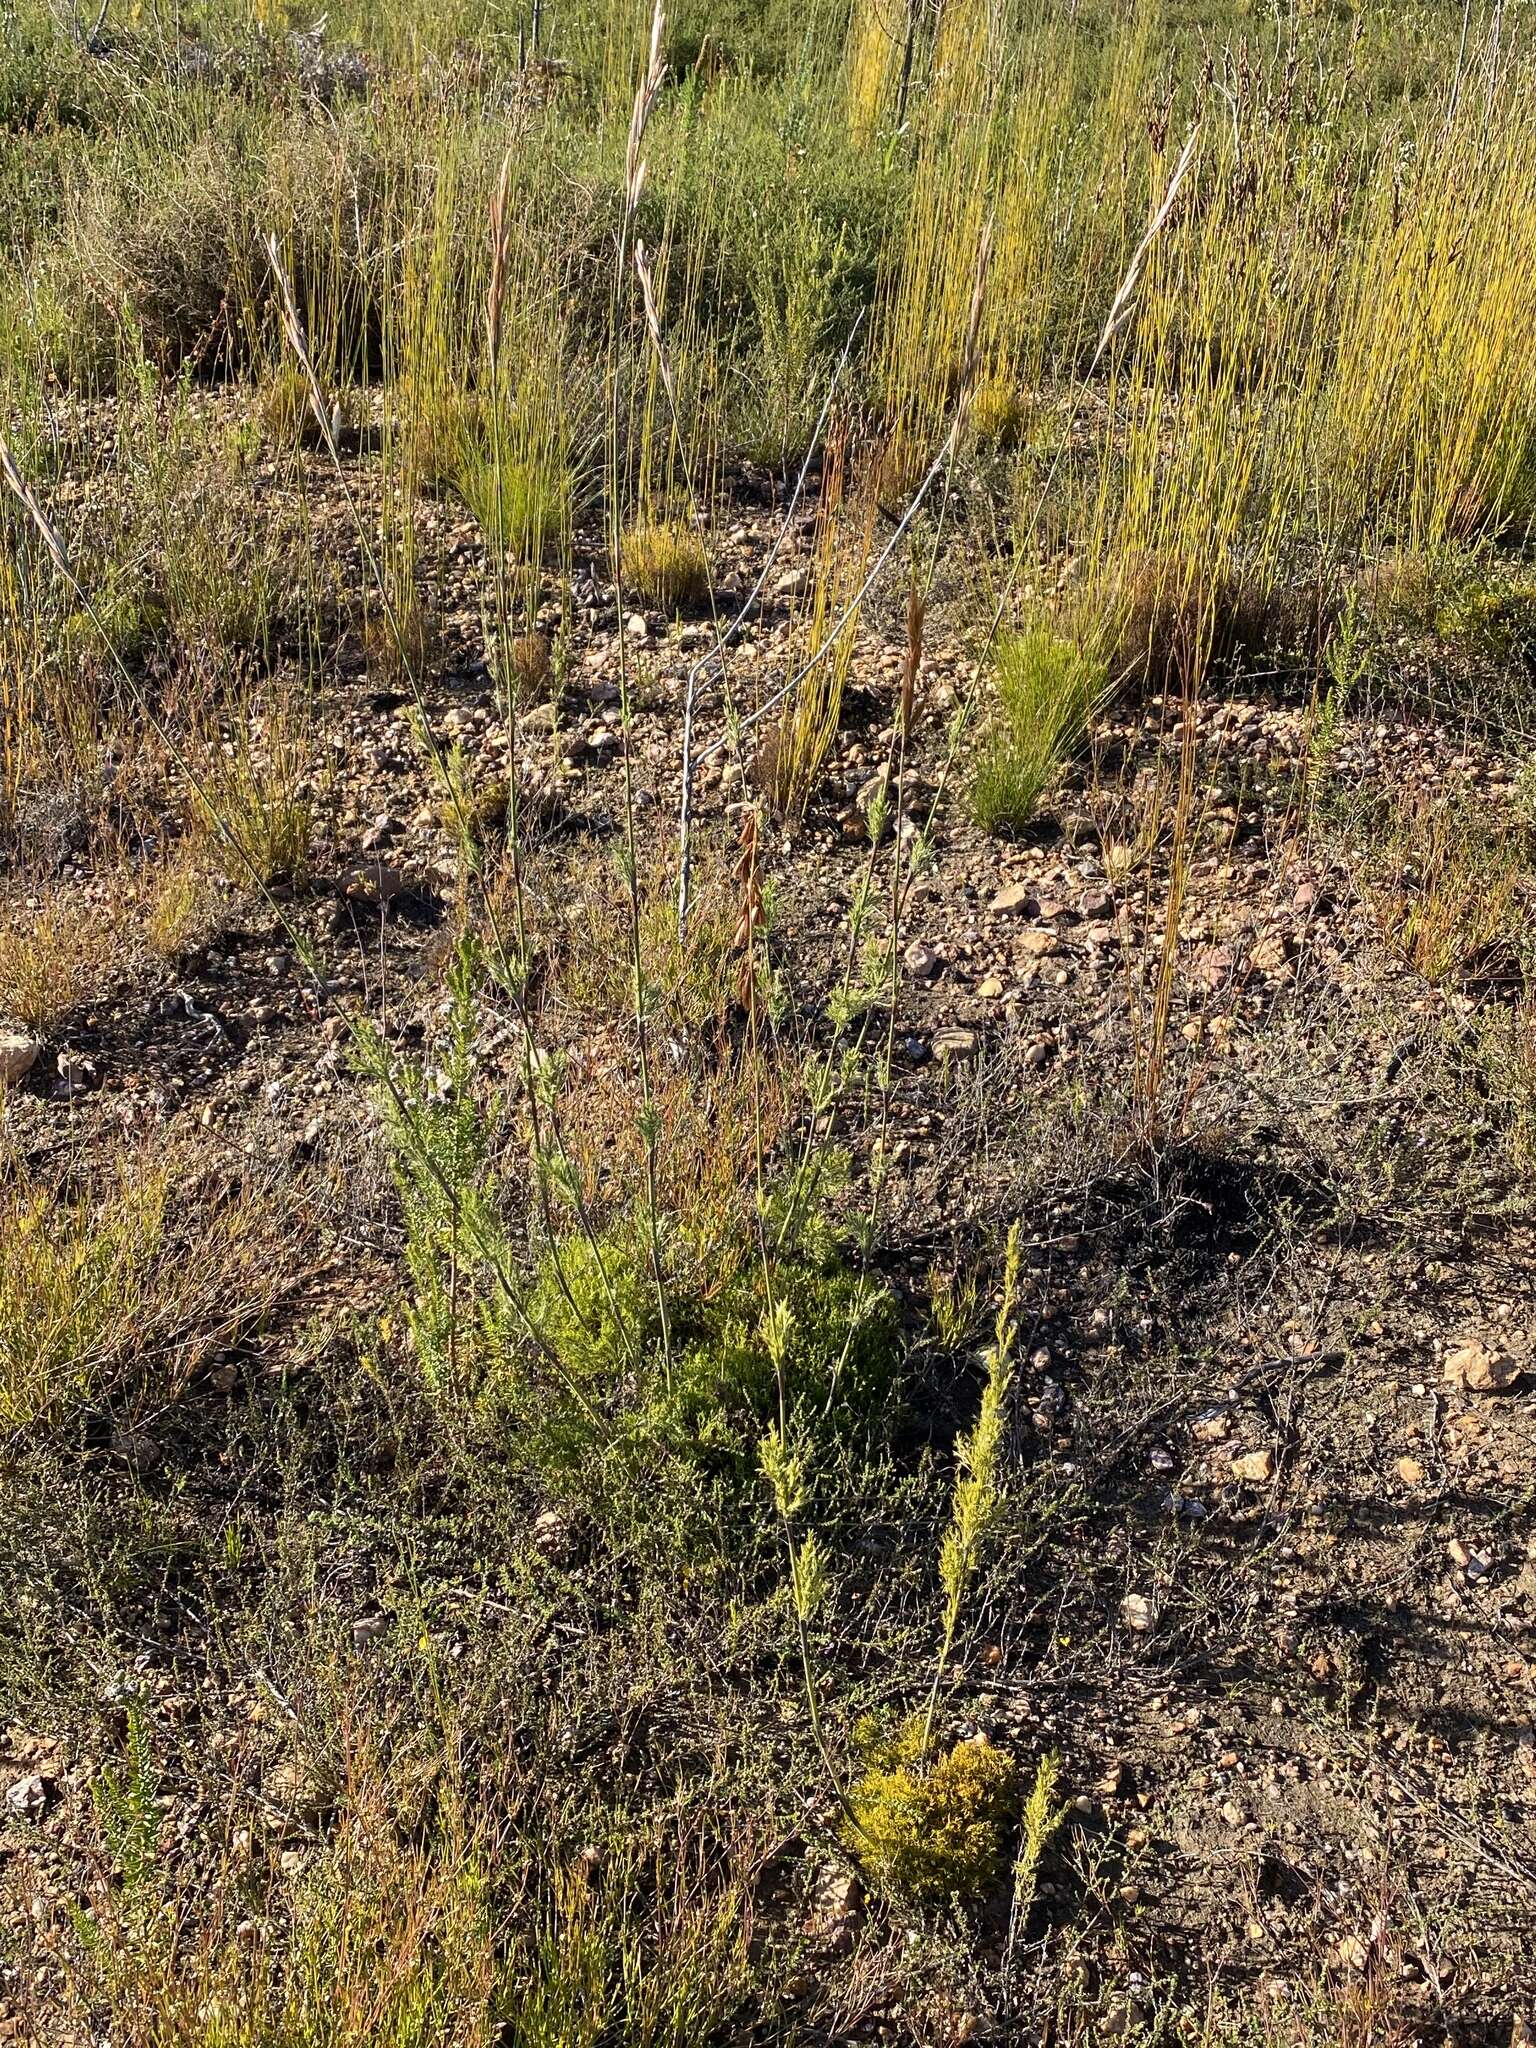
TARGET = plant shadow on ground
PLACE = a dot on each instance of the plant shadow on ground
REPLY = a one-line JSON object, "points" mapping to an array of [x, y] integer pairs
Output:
{"points": [[1229, 1447]]}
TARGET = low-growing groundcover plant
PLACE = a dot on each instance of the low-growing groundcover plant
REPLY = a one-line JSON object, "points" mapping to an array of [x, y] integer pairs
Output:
{"points": [[409, 1937], [1447, 890], [933, 1829]]}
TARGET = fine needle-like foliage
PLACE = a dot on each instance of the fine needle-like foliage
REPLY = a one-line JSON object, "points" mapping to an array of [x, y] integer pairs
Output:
{"points": [[784, 1466], [1047, 688], [932, 1827], [978, 1481]]}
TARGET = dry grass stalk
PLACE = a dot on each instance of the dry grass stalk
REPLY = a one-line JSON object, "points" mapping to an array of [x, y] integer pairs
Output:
{"points": [[30, 504], [714, 655], [791, 758], [646, 95], [751, 914], [912, 662], [293, 332], [832, 638], [1123, 303], [653, 321], [970, 355], [501, 230]]}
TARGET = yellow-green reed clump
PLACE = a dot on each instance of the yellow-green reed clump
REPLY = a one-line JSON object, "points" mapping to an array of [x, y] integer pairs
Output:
{"points": [[664, 562]]}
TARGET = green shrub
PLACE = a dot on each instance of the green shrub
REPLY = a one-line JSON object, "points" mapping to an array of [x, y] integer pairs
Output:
{"points": [[1047, 689], [594, 1304], [838, 1364], [584, 1361], [1494, 619], [798, 294], [935, 1830], [701, 1390]]}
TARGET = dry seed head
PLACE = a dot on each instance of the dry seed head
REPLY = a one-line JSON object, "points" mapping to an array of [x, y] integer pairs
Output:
{"points": [[496, 294], [1120, 306], [645, 101], [34, 511], [294, 334], [652, 319]]}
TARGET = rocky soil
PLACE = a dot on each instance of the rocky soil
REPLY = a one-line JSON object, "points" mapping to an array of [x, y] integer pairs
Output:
{"points": [[1274, 1586]]}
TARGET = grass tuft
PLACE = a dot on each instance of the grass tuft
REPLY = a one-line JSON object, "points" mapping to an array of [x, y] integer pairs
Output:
{"points": [[1047, 690], [75, 1283], [665, 563], [253, 801], [53, 951]]}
